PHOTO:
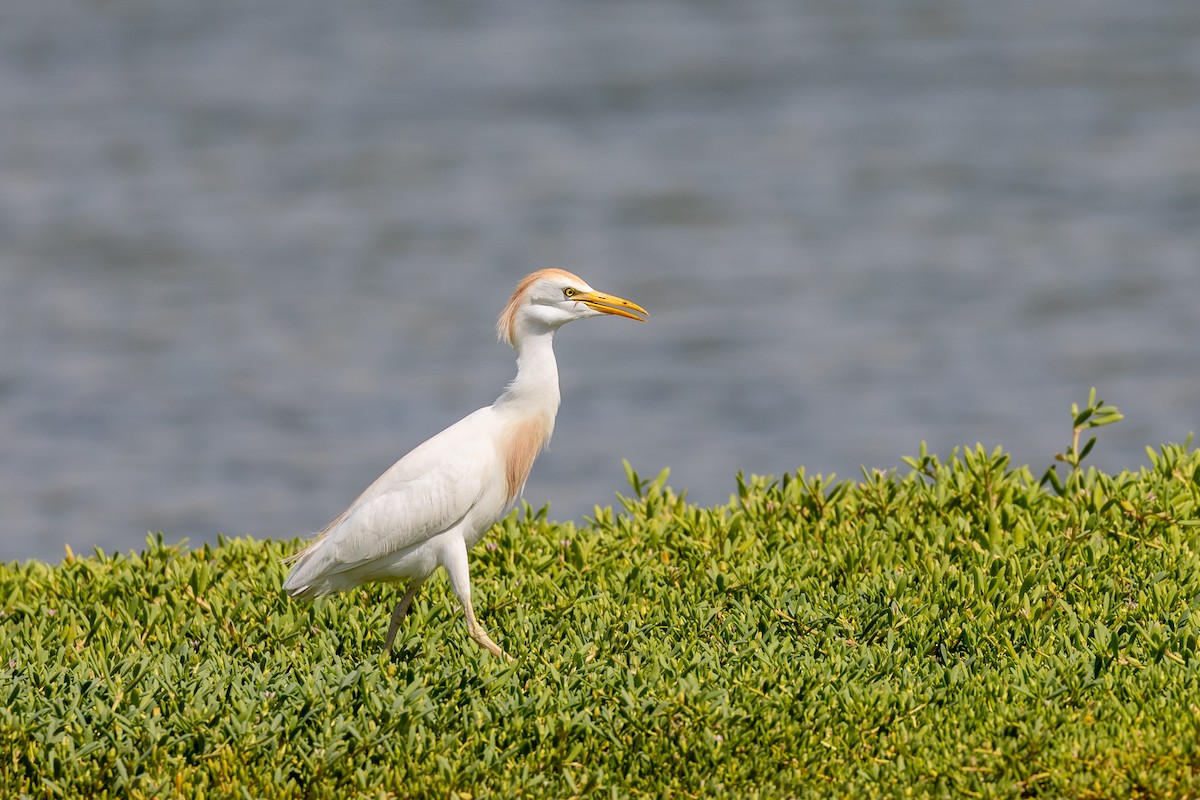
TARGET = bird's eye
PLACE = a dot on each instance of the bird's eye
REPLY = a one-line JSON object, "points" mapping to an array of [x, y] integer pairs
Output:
{"points": [[570, 292]]}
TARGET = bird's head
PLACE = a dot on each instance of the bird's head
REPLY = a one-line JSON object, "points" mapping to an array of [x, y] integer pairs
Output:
{"points": [[550, 298]]}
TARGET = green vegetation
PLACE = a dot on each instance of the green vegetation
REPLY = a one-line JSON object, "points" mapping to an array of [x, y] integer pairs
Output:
{"points": [[961, 628]]}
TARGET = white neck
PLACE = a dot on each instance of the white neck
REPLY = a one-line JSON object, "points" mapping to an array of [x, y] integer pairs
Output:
{"points": [[535, 389]]}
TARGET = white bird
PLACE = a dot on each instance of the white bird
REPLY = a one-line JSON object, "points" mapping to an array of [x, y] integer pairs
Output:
{"points": [[437, 502]]}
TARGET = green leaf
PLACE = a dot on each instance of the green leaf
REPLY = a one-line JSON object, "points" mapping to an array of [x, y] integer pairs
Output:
{"points": [[1087, 448]]}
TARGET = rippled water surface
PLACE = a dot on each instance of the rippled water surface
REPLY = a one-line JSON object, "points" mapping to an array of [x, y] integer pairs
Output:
{"points": [[250, 253]]}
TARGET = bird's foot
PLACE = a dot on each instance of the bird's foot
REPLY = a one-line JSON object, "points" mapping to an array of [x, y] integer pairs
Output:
{"points": [[480, 636]]}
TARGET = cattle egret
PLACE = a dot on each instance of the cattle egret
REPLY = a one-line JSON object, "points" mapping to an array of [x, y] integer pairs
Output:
{"points": [[437, 502]]}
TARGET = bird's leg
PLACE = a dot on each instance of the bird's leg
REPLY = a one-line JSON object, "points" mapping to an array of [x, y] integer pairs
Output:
{"points": [[477, 632], [401, 610], [455, 563]]}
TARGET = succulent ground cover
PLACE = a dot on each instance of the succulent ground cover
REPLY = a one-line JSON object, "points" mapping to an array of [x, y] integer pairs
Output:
{"points": [[962, 627]]}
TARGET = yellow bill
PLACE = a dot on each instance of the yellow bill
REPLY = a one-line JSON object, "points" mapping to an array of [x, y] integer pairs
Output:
{"points": [[611, 304]]}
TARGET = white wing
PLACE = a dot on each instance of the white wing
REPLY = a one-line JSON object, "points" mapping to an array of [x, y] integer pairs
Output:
{"points": [[425, 493]]}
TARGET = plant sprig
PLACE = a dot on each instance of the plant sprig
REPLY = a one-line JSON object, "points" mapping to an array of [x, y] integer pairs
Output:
{"points": [[1095, 415]]}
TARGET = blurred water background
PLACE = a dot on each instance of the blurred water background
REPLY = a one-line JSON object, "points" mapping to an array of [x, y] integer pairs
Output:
{"points": [[252, 252]]}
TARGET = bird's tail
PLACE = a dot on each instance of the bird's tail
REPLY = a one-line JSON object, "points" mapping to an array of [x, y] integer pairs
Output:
{"points": [[299, 584]]}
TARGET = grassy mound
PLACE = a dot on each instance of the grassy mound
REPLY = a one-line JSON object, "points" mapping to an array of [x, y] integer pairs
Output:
{"points": [[963, 629]]}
